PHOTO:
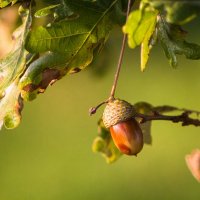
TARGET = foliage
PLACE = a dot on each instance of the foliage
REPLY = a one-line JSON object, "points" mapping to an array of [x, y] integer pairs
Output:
{"points": [[79, 29], [74, 32], [4, 3], [12, 66]]}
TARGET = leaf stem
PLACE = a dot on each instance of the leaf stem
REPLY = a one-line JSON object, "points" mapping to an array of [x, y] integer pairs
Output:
{"points": [[112, 94]]}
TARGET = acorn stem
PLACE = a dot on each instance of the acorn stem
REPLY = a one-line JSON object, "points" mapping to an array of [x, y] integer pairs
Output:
{"points": [[94, 109], [112, 94]]}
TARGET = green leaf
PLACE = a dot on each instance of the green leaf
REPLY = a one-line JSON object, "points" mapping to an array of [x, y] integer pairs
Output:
{"points": [[4, 3], [13, 64], [146, 46], [140, 26], [42, 72], [72, 42], [46, 11], [172, 39], [10, 106], [139, 23], [182, 12], [104, 144], [119, 13], [76, 38], [177, 12]]}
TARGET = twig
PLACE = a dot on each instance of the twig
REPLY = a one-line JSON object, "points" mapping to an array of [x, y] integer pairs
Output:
{"points": [[112, 94], [183, 118]]}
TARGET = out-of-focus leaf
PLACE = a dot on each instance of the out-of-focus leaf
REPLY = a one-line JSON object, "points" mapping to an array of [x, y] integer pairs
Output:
{"points": [[182, 12], [119, 12], [174, 44], [4, 3], [104, 144], [145, 108], [10, 107], [63, 12], [140, 26], [72, 43], [177, 12], [148, 109], [46, 11], [14, 63], [193, 163]]}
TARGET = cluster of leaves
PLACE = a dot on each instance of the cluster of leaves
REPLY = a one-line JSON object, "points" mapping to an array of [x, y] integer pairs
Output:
{"points": [[76, 30], [160, 21]]}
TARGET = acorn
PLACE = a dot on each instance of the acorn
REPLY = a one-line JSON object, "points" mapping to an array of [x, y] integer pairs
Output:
{"points": [[126, 133]]}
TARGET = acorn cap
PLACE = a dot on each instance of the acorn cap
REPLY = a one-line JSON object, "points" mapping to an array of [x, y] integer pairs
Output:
{"points": [[117, 111]]}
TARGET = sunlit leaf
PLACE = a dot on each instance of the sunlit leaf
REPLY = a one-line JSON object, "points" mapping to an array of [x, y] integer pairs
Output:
{"points": [[10, 106], [140, 26], [4, 3], [139, 23], [146, 46], [14, 63], [46, 11], [11, 68]]}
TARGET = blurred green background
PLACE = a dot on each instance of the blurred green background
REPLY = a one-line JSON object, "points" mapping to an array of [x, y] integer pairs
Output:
{"points": [[49, 155]]}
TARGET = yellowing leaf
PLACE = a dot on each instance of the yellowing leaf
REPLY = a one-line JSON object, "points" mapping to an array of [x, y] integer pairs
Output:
{"points": [[140, 27], [137, 26], [11, 106], [145, 46], [14, 63]]}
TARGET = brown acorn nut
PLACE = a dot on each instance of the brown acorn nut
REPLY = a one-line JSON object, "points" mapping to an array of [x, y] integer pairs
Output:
{"points": [[125, 130]]}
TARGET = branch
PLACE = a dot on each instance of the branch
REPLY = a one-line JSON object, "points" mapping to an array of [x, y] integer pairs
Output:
{"points": [[183, 118]]}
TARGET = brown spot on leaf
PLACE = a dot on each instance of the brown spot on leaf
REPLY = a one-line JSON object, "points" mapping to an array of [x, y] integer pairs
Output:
{"points": [[30, 87], [49, 76], [75, 70]]}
